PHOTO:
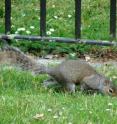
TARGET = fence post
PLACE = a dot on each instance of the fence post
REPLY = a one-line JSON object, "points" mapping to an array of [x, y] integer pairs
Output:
{"points": [[7, 16], [43, 17], [77, 19], [113, 18]]}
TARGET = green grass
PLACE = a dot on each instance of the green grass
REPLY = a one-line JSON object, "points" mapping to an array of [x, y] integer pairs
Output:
{"points": [[22, 97]]}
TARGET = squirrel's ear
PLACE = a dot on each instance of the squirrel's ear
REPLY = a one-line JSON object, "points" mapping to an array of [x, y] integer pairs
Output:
{"points": [[107, 81]]}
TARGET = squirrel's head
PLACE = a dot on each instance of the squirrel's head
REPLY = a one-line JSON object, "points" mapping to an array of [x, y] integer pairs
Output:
{"points": [[109, 88], [102, 84]]}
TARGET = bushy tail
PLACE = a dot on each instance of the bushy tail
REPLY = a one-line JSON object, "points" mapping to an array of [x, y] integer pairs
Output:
{"points": [[15, 57]]}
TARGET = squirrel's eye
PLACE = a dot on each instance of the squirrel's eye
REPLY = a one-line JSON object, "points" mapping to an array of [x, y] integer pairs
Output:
{"points": [[110, 90]]}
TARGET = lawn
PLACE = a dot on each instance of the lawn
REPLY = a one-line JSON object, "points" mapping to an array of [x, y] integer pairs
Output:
{"points": [[23, 100]]}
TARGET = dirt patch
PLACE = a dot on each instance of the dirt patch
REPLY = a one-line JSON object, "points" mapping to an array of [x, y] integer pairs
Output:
{"points": [[94, 62]]}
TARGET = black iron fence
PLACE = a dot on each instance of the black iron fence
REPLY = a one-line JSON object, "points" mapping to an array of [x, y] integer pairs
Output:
{"points": [[43, 37]]}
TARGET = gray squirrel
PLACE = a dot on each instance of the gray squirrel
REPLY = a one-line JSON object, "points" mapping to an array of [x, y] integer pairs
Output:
{"points": [[68, 74]]}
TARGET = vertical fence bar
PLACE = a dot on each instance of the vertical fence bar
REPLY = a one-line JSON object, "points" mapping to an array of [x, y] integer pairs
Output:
{"points": [[113, 18], [7, 16], [43, 17], [78, 19]]}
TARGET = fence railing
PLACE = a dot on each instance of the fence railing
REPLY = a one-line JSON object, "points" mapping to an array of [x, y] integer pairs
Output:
{"points": [[77, 37]]}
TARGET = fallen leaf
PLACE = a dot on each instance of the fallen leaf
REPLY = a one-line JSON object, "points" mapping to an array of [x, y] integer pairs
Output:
{"points": [[38, 116]]}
